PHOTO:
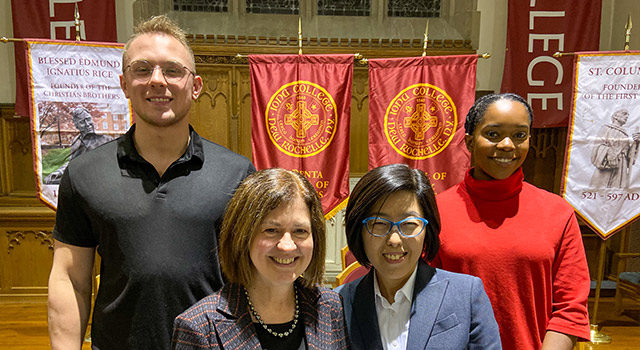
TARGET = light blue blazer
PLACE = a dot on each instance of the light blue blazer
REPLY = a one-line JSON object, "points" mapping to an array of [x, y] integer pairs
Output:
{"points": [[449, 311]]}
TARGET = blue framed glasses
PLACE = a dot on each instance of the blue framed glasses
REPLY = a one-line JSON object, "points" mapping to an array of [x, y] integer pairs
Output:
{"points": [[381, 227]]}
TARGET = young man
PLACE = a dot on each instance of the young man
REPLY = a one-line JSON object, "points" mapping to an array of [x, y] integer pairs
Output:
{"points": [[149, 202]]}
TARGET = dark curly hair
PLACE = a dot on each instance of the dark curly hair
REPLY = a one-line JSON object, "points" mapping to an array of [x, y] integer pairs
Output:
{"points": [[479, 108]]}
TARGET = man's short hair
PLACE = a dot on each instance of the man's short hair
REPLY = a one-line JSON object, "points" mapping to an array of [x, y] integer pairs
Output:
{"points": [[258, 195], [158, 25]]}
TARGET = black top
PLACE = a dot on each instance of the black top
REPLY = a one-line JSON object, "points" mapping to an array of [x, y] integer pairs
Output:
{"points": [[157, 236], [270, 342]]}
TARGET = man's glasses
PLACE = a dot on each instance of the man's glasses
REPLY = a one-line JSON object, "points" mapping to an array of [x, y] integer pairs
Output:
{"points": [[381, 227], [173, 72]]}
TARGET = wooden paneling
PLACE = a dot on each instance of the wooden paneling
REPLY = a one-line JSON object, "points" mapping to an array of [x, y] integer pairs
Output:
{"points": [[543, 166], [210, 116], [16, 161], [26, 252], [231, 45], [242, 111], [359, 137], [25, 224]]}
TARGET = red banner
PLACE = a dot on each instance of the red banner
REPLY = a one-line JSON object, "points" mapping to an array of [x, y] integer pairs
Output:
{"points": [[300, 110], [54, 19], [535, 31], [417, 109]]}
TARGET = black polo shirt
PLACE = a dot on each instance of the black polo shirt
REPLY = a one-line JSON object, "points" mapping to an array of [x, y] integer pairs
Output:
{"points": [[157, 236]]}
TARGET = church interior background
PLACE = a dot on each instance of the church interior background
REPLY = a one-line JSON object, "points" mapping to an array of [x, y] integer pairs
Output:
{"points": [[222, 29]]}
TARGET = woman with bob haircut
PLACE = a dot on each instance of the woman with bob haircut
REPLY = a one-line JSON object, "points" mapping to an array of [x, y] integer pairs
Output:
{"points": [[402, 302], [272, 251], [523, 242]]}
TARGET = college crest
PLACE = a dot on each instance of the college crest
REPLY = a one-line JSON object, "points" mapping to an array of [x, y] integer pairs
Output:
{"points": [[420, 121], [301, 119]]}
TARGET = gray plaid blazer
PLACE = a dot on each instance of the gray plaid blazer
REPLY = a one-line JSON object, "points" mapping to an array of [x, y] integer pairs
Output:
{"points": [[222, 321]]}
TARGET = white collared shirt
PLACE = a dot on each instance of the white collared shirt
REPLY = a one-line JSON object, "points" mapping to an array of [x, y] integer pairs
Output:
{"points": [[393, 319]]}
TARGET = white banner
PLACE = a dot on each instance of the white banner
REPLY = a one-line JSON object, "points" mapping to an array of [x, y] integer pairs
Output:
{"points": [[76, 105], [602, 172]]}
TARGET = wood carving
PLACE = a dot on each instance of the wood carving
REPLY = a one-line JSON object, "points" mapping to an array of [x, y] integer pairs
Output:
{"points": [[545, 140], [15, 238]]}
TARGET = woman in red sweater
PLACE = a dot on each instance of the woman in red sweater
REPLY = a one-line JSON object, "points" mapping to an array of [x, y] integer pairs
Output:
{"points": [[522, 241]]}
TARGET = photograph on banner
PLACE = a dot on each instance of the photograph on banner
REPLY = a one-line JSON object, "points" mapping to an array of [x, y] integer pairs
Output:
{"points": [[69, 129], [76, 105], [602, 171]]}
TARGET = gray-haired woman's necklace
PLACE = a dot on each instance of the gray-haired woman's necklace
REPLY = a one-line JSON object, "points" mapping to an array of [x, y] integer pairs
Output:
{"points": [[266, 328]]}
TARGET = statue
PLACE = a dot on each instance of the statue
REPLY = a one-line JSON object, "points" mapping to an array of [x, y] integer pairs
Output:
{"points": [[86, 140], [614, 153]]}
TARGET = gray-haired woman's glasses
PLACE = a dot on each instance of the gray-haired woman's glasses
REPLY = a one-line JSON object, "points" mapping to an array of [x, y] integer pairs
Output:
{"points": [[381, 227]]}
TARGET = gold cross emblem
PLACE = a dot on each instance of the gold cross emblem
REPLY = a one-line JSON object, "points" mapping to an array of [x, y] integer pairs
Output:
{"points": [[420, 121], [301, 119]]}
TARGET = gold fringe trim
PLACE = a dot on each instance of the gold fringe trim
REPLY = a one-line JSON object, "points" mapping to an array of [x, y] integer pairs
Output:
{"points": [[336, 209]]}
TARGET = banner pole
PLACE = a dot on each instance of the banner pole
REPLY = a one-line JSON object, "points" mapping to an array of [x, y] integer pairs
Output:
{"points": [[358, 56], [76, 16], [627, 36], [426, 39], [299, 35], [5, 40], [596, 336]]}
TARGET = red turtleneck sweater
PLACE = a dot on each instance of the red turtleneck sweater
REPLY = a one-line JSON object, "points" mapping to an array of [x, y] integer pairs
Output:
{"points": [[525, 245]]}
